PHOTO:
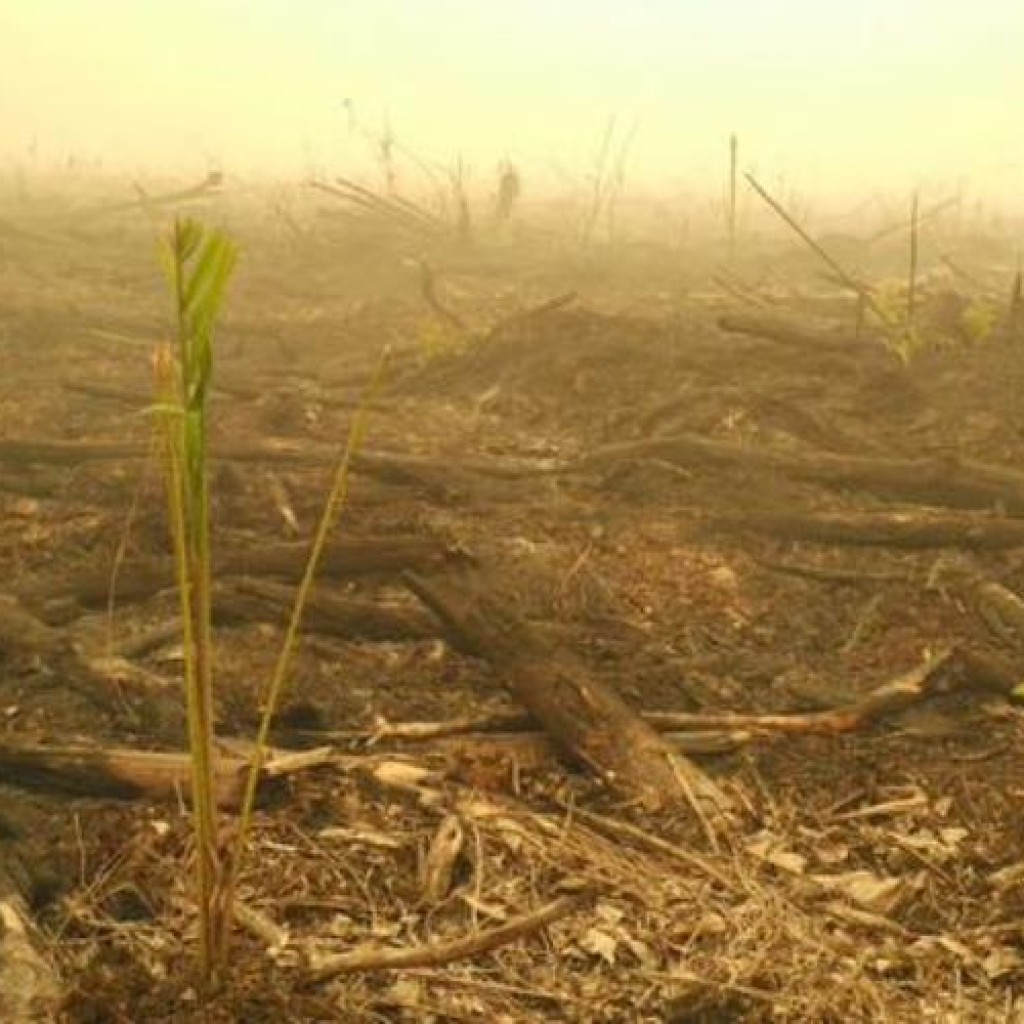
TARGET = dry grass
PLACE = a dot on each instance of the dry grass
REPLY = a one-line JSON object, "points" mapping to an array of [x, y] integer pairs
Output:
{"points": [[857, 917]]}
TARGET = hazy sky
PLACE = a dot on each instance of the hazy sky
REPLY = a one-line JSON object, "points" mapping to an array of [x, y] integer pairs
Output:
{"points": [[852, 93]]}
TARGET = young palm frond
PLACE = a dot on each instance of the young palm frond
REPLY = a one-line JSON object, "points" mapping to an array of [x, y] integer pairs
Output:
{"points": [[198, 263]]}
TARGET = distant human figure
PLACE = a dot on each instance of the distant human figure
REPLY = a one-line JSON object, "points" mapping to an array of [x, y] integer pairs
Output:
{"points": [[509, 190]]}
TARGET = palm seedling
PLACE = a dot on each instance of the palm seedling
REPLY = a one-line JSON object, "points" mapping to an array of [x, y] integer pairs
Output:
{"points": [[198, 264]]}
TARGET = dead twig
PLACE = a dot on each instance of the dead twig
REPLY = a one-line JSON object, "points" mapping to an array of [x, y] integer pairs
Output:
{"points": [[522, 316], [624, 830], [436, 953], [210, 185], [849, 281], [889, 698]]}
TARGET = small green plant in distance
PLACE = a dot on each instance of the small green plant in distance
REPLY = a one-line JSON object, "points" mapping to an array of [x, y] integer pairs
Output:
{"points": [[198, 263], [437, 338], [942, 319]]}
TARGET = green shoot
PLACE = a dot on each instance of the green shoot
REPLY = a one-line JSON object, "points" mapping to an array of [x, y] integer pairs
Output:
{"points": [[198, 263], [437, 337]]}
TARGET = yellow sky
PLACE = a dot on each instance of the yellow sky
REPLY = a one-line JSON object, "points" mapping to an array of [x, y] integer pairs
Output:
{"points": [[847, 94]]}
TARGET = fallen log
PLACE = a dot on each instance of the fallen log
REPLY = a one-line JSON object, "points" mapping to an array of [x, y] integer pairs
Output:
{"points": [[729, 730], [433, 475], [941, 673], [347, 618], [974, 532], [792, 333], [75, 453], [890, 698], [790, 413], [304, 390], [732, 285], [589, 721], [138, 645], [114, 773], [22, 634], [999, 609], [124, 774], [986, 671], [211, 185], [512, 733], [523, 317], [137, 579], [944, 481]]}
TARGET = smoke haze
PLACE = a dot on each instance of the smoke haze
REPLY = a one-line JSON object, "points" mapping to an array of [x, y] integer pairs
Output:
{"points": [[840, 99]]}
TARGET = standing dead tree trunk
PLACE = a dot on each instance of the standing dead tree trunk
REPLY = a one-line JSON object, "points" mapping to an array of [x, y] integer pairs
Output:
{"points": [[589, 721]]}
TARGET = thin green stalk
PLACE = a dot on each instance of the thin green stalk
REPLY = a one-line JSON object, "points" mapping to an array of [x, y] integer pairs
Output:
{"points": [[202, 813], [335, 504]]}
